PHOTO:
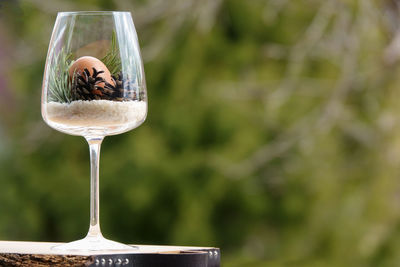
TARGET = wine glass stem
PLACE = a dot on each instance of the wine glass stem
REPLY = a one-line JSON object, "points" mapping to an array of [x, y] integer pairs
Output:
{"points": [[94, 147]]}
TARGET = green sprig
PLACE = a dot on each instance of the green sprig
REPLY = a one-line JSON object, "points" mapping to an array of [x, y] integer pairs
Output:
{"points": [[112, 59], [60, 84]]}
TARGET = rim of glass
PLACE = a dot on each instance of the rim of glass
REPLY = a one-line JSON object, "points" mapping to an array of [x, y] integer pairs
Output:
{"points": [[69, 13]]}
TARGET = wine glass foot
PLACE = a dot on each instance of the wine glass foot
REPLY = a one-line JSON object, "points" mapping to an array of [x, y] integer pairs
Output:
{"points": [[93, 244]]}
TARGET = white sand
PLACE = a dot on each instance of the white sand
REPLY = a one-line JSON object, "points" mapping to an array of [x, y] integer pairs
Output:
{"points": [[97, 112]]}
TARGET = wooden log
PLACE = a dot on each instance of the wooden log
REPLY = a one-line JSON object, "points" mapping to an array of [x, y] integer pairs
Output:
{"points": [[40, 254]]}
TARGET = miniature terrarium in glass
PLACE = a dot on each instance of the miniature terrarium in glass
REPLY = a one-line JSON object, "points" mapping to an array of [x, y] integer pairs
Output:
{"points": [[94, 86]]}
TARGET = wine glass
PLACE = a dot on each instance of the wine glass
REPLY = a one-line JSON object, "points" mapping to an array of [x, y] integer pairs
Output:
{"points": [[94, 86]]}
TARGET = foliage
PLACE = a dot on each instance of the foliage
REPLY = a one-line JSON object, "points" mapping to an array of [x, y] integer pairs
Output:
{"points": [[112, 59], [59, 81]]}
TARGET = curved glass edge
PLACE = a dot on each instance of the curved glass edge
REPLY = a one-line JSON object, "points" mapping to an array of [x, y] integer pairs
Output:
{"points": [[70, 13]]}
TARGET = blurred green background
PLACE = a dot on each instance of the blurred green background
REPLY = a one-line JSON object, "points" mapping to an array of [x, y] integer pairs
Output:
{"points": [[273, 132]]}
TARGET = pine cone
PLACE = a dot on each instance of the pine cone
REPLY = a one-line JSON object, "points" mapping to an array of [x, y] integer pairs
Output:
{"points": [[88, 87], [124, 89], [94, 87]]}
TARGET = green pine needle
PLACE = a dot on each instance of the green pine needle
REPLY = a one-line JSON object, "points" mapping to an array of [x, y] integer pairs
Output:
{"points": [[112, 59], [59, 82]]}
